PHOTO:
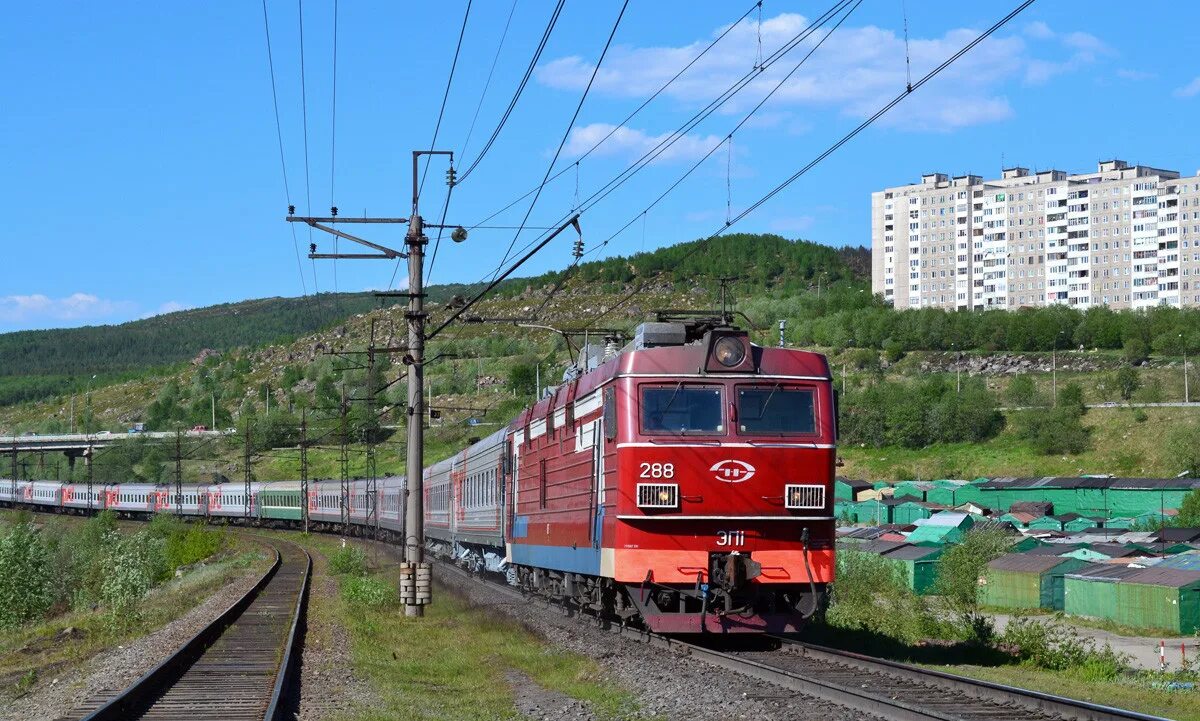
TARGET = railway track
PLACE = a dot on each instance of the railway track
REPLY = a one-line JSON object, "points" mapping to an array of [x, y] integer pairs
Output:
{"points": [[240, 667], [886, 689]]}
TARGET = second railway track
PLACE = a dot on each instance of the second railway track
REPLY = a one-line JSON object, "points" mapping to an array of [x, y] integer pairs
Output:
{"points": [[885, 689], [237, 668]]}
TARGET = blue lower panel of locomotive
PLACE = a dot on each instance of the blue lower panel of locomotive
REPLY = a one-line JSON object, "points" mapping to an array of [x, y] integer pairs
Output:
{"points": [[559, 558]]}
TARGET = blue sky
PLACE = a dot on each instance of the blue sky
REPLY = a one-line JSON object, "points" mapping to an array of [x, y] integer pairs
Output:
{"points": [[140, 169]]}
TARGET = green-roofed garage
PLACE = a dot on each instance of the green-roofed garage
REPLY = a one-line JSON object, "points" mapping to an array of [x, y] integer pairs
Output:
{"points": [[1020, 580]]}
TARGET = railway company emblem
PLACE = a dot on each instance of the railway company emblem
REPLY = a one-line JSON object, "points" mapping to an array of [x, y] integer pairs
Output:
{"points": [[731, 471]]}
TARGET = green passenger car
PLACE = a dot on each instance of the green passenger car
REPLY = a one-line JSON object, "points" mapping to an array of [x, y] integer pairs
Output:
{"points": [[280, 501]]}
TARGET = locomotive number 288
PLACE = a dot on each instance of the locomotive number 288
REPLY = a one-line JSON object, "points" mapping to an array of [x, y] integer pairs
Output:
{"points": [[658, 470]]}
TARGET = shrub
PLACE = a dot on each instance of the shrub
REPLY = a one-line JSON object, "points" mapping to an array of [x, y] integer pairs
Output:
{"points": [[1070, 399], [1127, 382], [872, 594], [133, 565], [369, 592], [958, 579], [192, 545], [1021, 391], [1183, 448], [25, 576], [349, 560], [184, 543], [1055, 647], [1055, 430]]}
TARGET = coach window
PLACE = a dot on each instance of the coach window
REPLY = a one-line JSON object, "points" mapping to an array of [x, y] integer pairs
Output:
{"points": [[776, 410], [683, 409]]}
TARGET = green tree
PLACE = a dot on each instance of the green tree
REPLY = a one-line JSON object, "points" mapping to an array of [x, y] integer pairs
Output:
{"points": [[1136, 351], [1127, 382], [25, 576], [522, 379], [1070, 399], [1022, 391], [959, 570], [154, 466], [1189, 510], [893, 350]]}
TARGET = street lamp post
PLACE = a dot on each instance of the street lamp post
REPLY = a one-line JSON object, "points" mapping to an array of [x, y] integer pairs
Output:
{"points": [[1054, 373], [1187, 396]]}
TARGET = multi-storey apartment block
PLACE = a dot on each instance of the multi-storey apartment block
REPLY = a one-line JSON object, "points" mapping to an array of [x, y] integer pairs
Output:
{"points": [[1123, 236]]}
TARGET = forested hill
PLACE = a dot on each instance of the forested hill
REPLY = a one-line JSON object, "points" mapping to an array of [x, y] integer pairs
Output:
{"points": [[180, 336], [758, 260]]}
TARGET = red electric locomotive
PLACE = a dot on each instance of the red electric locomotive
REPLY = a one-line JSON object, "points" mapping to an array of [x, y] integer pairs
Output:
{"points": [[686, 480]]}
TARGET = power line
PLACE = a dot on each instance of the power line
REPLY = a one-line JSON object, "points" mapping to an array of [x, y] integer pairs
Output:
{"points": [[650, 155], [446, 95], [909, 89], [520, 89], [304, 115], [333, 149], [729, 138], [566, 134], [629, 117], [287, 192], [488, 82]]}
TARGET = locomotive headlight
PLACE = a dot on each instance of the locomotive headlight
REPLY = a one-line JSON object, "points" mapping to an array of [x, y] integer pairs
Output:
{"points": [[794, 497], [729, 352], [665, 496]]}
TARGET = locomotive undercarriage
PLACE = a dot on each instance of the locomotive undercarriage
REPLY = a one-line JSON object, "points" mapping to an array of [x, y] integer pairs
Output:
{"points": [[727, 603]]}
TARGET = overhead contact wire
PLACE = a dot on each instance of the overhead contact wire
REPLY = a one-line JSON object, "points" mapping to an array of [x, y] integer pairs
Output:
{"points": [[629, 117], [517, 94], [834, 147], [566, 134], [650, 155], [287, 192]]}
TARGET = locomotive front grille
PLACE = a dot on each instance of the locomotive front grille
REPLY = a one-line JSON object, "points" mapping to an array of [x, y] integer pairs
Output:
{"points": [[658, 495], [803, 496]]}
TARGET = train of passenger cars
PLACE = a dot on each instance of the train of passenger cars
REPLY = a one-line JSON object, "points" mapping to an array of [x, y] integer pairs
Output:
{"points": [[684, 481]]}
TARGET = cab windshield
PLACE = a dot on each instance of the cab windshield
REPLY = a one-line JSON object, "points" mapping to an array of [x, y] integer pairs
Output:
{"points": [[772, 410], [682, 409]]}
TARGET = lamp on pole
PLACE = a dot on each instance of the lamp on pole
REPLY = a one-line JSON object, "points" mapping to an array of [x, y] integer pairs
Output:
{"points": [[1187, 396], [88, 404], [1054, 371]]}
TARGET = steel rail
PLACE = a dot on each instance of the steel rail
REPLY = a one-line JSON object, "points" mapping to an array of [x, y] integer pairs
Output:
{"points": [[862, 682], [220, 672], [1036, 701]]}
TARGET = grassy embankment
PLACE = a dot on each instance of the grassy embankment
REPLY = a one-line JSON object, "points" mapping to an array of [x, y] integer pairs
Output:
{"points": [[456, 662], [874, 611], [1132, 693], [63, 641]]}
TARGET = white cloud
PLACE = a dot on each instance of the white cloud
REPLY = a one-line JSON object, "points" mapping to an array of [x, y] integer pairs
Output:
{"points": [[39, 308], [1039, 30], [171, 306], [634, 142], [1130, 74], [1189, 90], [857, 71]]}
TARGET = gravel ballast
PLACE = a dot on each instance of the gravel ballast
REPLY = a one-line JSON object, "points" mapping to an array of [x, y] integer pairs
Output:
{"points": [[666, 684], [110, 671], [328, 686]]}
